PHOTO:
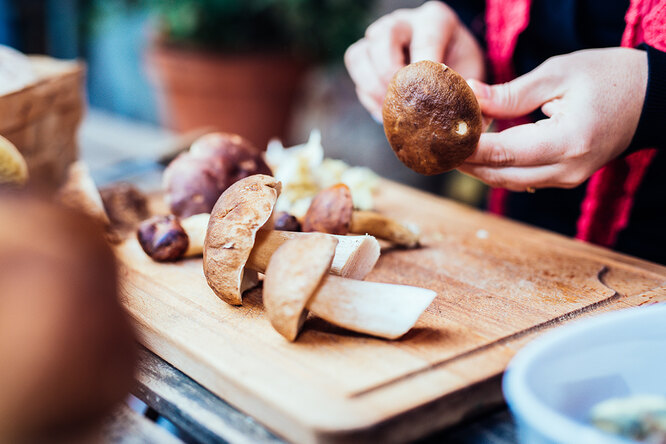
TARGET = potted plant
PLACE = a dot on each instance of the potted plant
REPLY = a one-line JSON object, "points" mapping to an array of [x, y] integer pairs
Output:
{"points": [[236, 64]]}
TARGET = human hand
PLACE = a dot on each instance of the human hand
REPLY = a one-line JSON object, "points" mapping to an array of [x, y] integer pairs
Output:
{"points": [[429, 32], [593, 100]]}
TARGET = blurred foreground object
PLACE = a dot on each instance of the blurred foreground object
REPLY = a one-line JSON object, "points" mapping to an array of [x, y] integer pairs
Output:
{"points": [[67, 347], [15, 70], [13, 169], [42, 117], [636, 417]]}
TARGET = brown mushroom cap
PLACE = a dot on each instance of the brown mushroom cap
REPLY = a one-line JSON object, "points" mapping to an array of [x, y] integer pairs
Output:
{"points": [[330, 211], [431, 117], [195, 179], [237, 216], [291, 281], [163, 238], [67, 345]]}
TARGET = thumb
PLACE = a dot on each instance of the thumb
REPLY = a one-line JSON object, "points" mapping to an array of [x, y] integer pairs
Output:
{"points": [[515, 98]]}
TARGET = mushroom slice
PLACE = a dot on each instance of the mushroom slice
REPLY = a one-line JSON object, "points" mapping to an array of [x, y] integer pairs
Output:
{"points": [[296, 281], [289, 284], [237, 216], [355, 256], [384, 310]]}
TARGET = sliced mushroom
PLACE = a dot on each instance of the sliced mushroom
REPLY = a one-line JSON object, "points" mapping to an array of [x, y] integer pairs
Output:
{"points": [[296, 281], [236, 217], [285, 299], [332, 211], [235, 240]]}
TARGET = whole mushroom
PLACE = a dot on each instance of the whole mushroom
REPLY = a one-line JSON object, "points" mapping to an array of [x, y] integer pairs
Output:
{"points": [[332, 211], [297, 280], [432, 119], [195, 179]]}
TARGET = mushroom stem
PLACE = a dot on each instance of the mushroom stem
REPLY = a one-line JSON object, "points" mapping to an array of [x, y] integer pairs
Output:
{"points": [[384, 310], [382, 227], [355, 256], [195, 227]]}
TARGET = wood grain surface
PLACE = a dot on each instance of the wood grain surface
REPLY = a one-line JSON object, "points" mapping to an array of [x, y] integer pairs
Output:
{"points": [[499, 285]]}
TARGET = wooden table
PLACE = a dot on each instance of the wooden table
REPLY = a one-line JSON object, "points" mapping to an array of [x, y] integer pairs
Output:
{"points": [[203, 417]]}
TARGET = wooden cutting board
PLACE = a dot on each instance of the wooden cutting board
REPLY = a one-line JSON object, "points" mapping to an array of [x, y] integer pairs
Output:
{"points": [[499, 284]]}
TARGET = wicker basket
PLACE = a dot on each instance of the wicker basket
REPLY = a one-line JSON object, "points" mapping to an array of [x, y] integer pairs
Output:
{"points": [[42, 119]]}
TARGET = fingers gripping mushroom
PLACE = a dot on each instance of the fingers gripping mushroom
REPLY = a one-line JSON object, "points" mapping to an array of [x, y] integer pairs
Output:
{"points": [[332, 211], [235, 240], [297, 281]]}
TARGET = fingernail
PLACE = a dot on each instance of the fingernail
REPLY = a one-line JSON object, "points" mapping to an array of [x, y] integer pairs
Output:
{"points": [[481, 90], [377, 119]]}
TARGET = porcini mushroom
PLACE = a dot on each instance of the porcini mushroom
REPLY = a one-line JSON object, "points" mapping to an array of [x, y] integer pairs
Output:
{"points": [[194, 180], [235, 241], [332, 211], [432, 119], [297, 281], [168, 238]]}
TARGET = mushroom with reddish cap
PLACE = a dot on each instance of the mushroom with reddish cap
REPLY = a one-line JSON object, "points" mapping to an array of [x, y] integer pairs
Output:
{"points": [[236, 240], [195, 179], [297, 281], [332, 211]]}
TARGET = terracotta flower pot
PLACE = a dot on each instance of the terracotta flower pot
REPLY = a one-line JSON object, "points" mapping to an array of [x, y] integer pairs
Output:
{"points": [[248, 94]]}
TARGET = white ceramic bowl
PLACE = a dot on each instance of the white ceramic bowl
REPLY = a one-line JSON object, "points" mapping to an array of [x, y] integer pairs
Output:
{"points": [[554, 381]]}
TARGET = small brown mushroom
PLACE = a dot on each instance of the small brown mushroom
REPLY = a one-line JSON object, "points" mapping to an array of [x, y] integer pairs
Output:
{"points": [[332, 211], [297, 281], [235, 241], [286, 222], [163, 238], [195, 179]]}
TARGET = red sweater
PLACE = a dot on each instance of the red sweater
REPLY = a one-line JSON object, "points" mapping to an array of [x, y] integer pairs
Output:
{"points": [[610, 191]]}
